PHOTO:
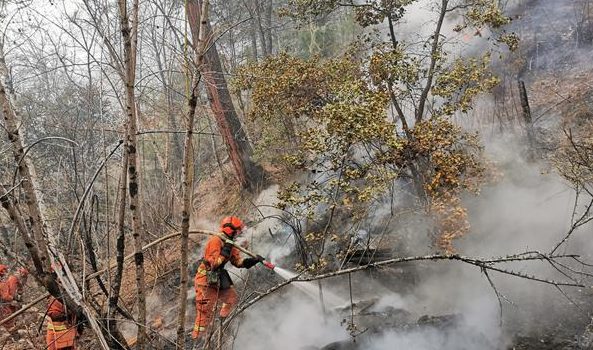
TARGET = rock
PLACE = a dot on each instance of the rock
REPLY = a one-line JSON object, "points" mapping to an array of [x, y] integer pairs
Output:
{"points": [[358, 306], [389, 318], [444, 321]]}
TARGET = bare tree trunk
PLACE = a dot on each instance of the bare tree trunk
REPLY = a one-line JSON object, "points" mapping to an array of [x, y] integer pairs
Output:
{"points": [[253, 29], [268, 26], [261, 31], [215, 152], [10, 120], [129, 37], [188, 178], [248, 173], [185, 217], [527, 119], [120, 244], [18, 221]]}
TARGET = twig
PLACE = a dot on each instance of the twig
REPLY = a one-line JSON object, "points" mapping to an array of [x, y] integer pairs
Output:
{"points": [[11, 189], [582, 220], [351, 326], [29, 147], [572, 302], [495, 292], [24, 308], [88, 189]]}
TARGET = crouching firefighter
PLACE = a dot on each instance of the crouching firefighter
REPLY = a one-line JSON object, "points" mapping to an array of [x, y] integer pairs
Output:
{"points": [[65, 326], [212, 281]]}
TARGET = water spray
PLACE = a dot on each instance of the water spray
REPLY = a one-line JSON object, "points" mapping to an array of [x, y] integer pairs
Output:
{"points": [[307, 287]]}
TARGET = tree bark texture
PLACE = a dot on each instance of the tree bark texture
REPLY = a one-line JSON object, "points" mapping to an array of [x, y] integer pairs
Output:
{"points": [[120, 243], [185, 219], [247, 172], [19, 222], [188, 177], [129, 37]]}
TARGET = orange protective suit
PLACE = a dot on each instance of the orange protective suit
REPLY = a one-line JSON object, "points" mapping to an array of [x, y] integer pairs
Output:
{"points": [[8, 294], [208, 293], [61, 330]]}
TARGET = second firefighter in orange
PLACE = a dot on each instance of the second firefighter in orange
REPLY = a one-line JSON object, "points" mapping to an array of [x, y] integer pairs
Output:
{"points": [[11, 293], [61, 329], [64, 327]]}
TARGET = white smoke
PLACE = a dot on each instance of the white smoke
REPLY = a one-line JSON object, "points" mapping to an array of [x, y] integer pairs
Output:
{"points": [[289, 322], [269, 235], [526, 210]]}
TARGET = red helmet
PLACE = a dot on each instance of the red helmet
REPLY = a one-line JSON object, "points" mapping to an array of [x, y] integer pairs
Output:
{"points": [[3, 270], [231, 226]]}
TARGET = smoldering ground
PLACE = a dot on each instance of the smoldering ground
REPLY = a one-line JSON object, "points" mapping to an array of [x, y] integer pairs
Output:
{"points": [[528, 209]]}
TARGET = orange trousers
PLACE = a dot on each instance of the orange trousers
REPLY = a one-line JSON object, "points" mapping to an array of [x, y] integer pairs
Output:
{"points": [[206, 301]]}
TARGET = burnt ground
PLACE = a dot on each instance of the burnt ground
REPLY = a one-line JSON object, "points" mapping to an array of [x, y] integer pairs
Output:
{"points": [[553, 322], [569, 333], [562, 326]]}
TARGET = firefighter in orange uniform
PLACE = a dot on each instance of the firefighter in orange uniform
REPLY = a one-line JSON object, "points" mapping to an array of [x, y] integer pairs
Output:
{"points": [[62, 328], [212, 281], [10, 293]]}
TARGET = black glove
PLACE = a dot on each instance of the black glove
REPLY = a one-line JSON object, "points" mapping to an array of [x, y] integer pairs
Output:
{"points": [[226, 250], [250, 262]]}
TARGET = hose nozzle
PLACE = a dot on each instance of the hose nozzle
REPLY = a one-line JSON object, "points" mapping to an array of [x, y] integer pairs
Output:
{"points": [[268, 264]]}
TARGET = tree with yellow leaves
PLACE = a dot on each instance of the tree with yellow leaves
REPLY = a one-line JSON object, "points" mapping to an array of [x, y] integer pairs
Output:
{"points": [[377, 114]]}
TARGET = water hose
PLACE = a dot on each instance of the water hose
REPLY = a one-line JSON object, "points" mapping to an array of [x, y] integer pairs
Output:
{"points": [[222, 236]]}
